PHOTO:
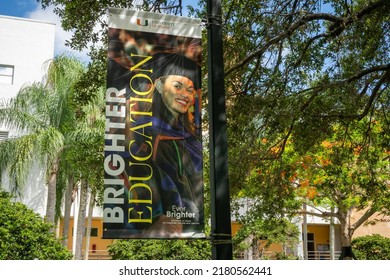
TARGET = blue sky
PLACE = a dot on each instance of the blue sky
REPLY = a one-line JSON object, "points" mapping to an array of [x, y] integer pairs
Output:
{"points": [[17, 8]]}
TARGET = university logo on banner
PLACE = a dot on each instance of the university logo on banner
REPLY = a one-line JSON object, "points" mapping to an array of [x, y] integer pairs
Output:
{"points": [[153, 150]]}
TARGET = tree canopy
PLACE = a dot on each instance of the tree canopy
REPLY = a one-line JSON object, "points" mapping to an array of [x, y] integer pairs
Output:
{"points": [[302, 66]]}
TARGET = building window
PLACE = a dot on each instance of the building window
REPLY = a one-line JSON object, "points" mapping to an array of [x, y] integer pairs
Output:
{"points": [[94, 232], [6, 74], [3, 135]]}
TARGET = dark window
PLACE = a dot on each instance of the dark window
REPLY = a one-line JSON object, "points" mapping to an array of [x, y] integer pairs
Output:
{"points": [[94, 232], [3, 135], [6, 74]]}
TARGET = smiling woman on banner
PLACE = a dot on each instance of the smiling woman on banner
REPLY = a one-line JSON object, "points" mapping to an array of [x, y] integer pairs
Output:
{"points": [[177, 148]]}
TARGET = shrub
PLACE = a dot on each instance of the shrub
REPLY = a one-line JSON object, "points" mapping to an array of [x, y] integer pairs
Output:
{"points": [[138, 249], [371, 247], [24, 235]]}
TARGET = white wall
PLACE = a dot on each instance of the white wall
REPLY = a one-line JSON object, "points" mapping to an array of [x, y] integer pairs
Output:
{"points": [[27, 45]]}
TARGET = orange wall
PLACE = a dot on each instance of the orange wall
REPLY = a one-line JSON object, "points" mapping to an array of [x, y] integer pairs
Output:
{"points": [[321, 234], [235, 227], [96, 242]]}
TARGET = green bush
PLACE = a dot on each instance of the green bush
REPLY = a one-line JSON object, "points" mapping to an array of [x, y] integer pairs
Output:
{"points": [[371, 247], [138, 249], [24, 235]]}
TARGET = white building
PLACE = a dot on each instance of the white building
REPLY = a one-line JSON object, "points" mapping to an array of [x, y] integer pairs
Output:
{"points": [[25, 48]]}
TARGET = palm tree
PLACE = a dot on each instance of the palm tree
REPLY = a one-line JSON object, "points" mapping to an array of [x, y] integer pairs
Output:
{"points": [[41, 112], [85, 156]]}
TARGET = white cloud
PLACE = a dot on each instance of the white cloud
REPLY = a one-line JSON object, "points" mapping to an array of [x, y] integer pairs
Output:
{"points": [[61, 35]]}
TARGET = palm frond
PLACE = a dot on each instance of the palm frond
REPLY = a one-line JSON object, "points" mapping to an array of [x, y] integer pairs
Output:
{"points": [[51, 143], [16, 155], [25, 112]]}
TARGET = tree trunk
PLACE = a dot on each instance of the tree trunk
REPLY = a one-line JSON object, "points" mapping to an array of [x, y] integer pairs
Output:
{"points": [[68, 206], [81, 220], [52, 193], [346, 236], [331, 237], [89, 225]]}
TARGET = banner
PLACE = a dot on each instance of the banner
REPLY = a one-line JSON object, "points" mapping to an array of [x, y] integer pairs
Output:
{"points": [[153, 151]]}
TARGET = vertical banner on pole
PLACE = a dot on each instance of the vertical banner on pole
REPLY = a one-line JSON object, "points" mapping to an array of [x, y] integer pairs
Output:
{"points": [[153, 151]]}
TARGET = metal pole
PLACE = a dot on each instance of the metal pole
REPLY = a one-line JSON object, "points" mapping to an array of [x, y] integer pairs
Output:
{"points": [[219, 184]]}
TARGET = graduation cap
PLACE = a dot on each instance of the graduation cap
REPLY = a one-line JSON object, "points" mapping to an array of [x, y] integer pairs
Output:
{"points": [[165, 64]]}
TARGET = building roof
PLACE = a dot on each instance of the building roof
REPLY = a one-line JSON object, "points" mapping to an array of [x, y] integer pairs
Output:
{"points": [[26, 19]]}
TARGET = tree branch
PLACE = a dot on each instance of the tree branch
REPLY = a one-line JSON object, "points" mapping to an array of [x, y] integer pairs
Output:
{"points": [[339, 24], [371, 211]]}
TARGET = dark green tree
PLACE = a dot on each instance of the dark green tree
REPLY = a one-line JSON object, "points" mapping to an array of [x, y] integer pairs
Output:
{"points": [[24, 235], [371, 247]]}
